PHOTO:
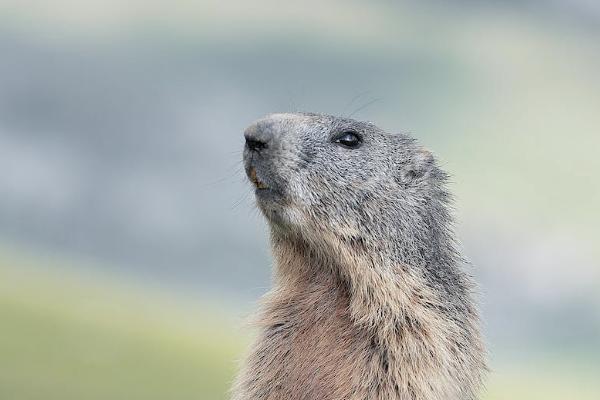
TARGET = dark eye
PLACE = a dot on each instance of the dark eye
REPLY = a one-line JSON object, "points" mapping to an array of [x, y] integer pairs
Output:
{"points": [[349, 139]]}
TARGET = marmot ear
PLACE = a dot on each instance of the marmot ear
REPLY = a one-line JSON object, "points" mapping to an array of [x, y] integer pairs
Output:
{"points": [[418, 166]]}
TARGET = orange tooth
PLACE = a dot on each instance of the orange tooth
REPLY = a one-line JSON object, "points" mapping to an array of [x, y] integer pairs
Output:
{"points": [[255, 180]]}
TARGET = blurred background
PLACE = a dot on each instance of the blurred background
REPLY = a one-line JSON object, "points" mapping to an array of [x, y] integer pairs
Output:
{"points": [[131, 252]]}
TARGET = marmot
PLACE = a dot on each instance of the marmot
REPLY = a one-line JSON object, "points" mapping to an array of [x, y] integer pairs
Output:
{"points": [[370, 300]]}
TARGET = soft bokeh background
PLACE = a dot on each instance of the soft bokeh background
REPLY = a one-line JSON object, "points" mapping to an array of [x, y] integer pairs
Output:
{"points": [[130, 249]]}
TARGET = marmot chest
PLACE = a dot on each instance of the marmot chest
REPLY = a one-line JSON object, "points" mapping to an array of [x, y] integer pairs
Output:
{"points": [[310, 349]]}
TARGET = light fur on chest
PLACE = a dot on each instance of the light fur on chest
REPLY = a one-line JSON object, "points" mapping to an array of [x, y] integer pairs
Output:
{"points": [[310, 348]]}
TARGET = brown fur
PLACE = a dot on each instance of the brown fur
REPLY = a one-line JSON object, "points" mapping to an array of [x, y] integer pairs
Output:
{"points": [[333, 347]]}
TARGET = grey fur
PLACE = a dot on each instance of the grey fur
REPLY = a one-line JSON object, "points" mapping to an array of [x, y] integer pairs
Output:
{"points": [[371, 300]]}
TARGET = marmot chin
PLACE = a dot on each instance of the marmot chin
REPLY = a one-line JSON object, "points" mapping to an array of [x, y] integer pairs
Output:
{"points": [[370, 299]]}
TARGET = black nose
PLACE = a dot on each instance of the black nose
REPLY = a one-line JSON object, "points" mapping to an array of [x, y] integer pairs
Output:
{"points": [[255, 144], [260, 135]]}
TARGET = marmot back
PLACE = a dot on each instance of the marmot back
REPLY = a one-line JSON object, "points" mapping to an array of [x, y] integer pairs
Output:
{"points": [[370, 298]]}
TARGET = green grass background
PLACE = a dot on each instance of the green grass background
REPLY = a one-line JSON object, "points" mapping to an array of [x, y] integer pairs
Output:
{"points": [[65, 335]]}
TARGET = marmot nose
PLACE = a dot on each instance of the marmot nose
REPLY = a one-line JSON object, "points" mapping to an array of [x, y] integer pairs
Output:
{"points": [[255, 144], [259, 135]]}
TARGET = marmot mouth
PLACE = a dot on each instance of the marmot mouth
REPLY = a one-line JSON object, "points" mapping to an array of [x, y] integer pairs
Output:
{"points": [[254, 179]]}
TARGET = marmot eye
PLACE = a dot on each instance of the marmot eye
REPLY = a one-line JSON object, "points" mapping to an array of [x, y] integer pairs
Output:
{"points": [[348, 139]]}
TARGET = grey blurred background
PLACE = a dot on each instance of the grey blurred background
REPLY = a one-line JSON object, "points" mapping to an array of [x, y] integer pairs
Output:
{"points": [[120, 162]]}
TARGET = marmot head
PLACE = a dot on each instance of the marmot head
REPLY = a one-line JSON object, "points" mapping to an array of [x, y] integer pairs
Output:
{"points": [[319, 174]]}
